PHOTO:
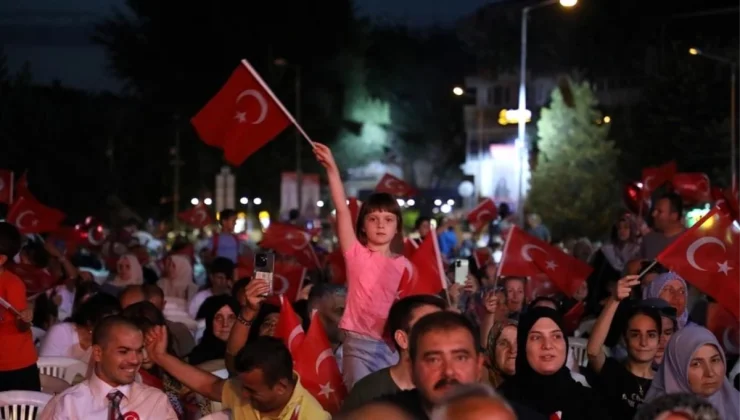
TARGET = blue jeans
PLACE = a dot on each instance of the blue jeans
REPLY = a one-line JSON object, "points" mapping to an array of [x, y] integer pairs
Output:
{"points": [[363, 355]]}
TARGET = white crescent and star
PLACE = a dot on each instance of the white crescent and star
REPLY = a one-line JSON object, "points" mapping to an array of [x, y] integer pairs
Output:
{"points": [[480, 216], [647, 185], [727, 343], [241, 116], [525, 251], [201, 214], [23, 214], [91, 237], [322, 356], [391, 183], [284, 286], [302, 245], [691, 251]]}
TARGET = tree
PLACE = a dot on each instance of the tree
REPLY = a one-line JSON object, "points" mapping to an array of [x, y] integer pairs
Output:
{"points": [[574, 181]]}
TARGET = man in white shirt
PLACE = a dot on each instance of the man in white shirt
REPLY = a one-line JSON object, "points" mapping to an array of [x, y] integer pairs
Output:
{"points": [[110, 392]]}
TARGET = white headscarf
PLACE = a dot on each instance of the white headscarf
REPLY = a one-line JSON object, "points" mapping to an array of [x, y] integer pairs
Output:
{"points": [[136, 274], [178, 282]]}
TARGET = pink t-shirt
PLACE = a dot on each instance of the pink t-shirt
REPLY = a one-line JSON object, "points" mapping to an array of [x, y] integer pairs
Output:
{"points": [[372, 281]]}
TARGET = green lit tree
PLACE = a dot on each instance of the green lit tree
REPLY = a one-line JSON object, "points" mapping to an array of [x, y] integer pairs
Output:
{"points": [[575, 183]]}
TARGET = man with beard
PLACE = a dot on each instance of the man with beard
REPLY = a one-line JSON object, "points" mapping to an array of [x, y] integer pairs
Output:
{"points": [[444, 351], [110, 392]]}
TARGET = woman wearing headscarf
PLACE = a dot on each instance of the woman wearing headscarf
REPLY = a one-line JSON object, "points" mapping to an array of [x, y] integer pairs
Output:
{"points": [[542, 381], [128, 272], [178, 279], [672, 289], [501, 352], [220, 314], [695, 363]]}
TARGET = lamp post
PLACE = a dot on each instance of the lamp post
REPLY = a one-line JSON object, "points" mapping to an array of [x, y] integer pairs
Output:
{"points": [[521, 122], [733, 109], [459, 91]]}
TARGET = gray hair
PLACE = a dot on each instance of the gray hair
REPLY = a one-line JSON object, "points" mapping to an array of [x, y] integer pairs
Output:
{"points": [[464, 391], [690, 405]]}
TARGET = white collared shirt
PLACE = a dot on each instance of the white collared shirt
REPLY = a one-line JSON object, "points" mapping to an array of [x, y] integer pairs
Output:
{"points": [[88, 400]]}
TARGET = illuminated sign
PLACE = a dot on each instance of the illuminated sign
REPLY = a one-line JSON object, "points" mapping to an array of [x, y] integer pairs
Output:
{"points": [[511, 116]]}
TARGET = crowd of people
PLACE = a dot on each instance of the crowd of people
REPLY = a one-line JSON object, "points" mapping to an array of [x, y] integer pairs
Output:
{"points": [[485, 349]]}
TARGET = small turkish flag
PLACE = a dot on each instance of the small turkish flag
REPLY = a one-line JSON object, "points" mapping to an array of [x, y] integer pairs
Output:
{"points": [[693, 187], [425, 274], [482, 214], [336, 266], [37, 280], [6, 186], [482, 256], [30, 216], [707, 257], [395, 186], [727, 201], [287, 281], [409, 247], [525, 255], [318, 367], [196, 216], [654, 177], [242, 117], [289, 328], [292, 241]]}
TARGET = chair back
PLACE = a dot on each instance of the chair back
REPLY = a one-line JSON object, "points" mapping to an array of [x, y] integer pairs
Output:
{"points": [[65, 368], [578, 348], [22, 405]]}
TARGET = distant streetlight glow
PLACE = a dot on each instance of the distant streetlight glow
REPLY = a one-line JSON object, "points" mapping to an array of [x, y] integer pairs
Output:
{"points": [[400, 202], [438, 202], [446, 208], [568, 3], [607, 119], [451, 202], [257, 201], [194, 201], [457, 90], [244, 200], [694, 51], [319, 204], [207, 201], [410, 202]]}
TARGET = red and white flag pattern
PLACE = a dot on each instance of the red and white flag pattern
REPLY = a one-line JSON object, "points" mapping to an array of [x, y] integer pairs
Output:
{"points": [[242, 117], [30, 216], [395, 186], [525, 255], [197, 216], [292, 241], [289, 328], [693, 187], [654, 177], [482, 214], [425, 273], [707, 257]]}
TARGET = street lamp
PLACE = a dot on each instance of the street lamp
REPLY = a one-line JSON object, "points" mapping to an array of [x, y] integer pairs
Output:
{"points": [[521, 140], [458, 91], [733, 108]]}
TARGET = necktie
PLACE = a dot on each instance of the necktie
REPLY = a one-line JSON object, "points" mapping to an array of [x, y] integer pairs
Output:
{"points": [[114, 408]]}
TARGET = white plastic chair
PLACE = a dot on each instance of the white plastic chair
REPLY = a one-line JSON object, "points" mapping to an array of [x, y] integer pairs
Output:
{"points": [[580, 379], [578, 348], [220, 415], [585, 328], [22, 405], [62, 367], [51, 385], [175, 303]]}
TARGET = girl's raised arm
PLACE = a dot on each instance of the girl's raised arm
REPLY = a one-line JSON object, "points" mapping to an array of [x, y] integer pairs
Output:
{"points": [[345, 229]]}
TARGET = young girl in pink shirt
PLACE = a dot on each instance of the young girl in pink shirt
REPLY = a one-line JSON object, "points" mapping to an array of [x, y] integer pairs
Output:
{"points": [[374, 272]]}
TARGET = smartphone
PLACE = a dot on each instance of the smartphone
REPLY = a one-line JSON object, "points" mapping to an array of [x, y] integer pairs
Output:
{"points": [[264, 267], [461, 270]]}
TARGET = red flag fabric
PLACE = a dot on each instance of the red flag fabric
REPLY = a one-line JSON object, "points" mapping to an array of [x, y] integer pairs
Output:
{"points": [[707, 257], [654, 177], [395, 186], [727, 201], [242, 117], [572, 319], [409, 247], [6, 186], [724, 326], [693, 187], [482, 257], [287, 281], [197, 216], [318, 368], [354, 209], [525, 255], [37, 280], [289, 328], [30, 216], [425, 274], [21, 186], [336, 267], [482, 214], [292, 241]]}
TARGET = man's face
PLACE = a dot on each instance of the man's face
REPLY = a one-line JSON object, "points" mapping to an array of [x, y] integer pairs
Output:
{"points": [[262, 397], [119, 359], [663, 217], [331, 309], [229, 224], [130, 297], [402, 337], [443, 359], [220, 283]]}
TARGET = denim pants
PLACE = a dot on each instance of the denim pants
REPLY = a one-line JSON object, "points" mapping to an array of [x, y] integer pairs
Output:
{"points": [[363, 355]]}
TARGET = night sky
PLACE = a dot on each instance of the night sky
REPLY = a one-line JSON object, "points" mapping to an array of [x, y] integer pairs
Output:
{"points": [[53, 36]]}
